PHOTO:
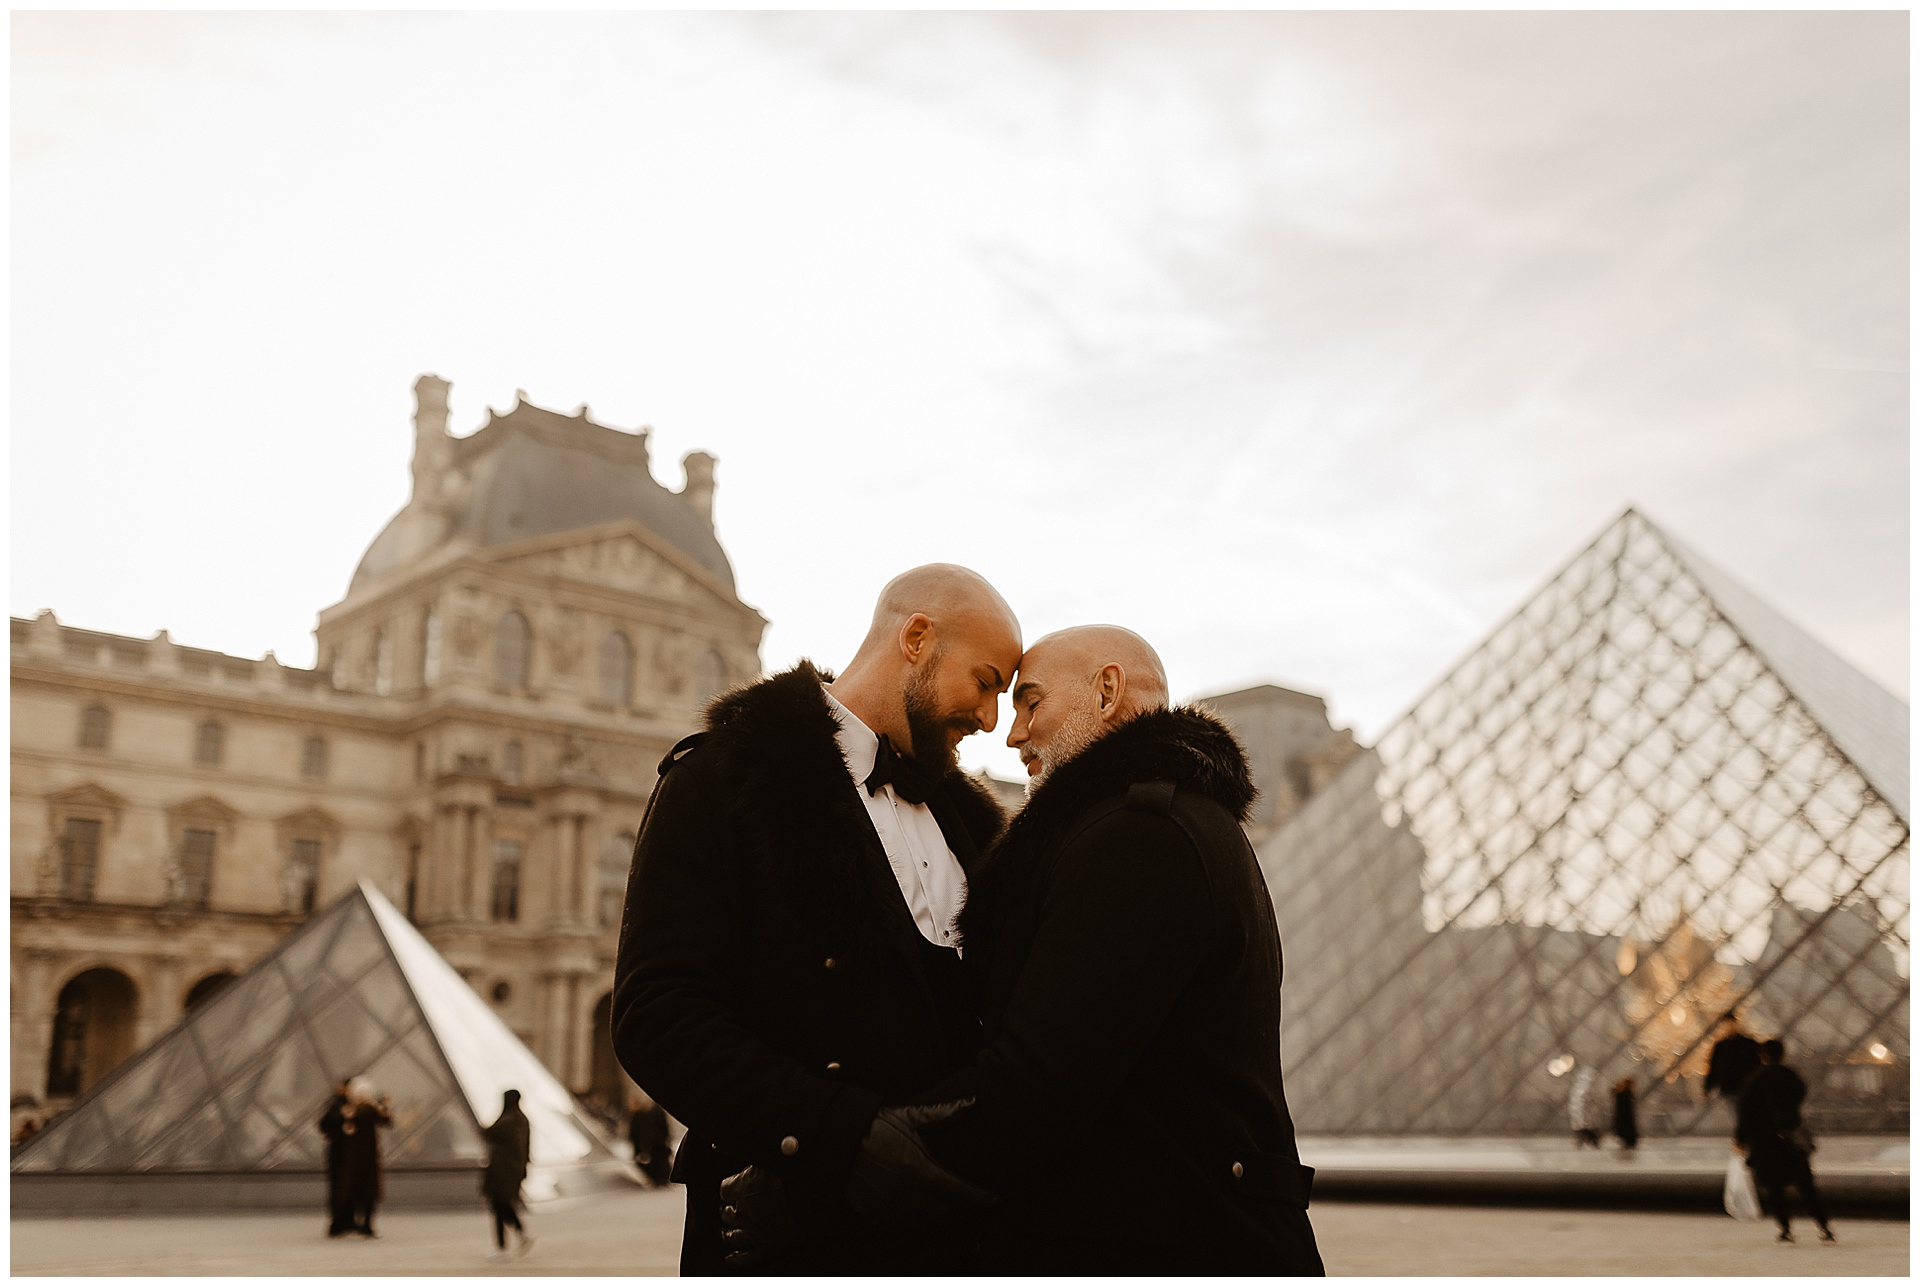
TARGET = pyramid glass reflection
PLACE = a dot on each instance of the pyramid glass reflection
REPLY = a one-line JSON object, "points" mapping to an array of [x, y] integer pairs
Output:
{"points": [[1646, 801], [240, 1084]]}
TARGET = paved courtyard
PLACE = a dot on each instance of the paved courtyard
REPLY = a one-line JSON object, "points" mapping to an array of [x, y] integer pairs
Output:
{"points": [[638, 1233]]}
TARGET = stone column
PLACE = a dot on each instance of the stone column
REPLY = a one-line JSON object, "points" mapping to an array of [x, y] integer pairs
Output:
{"points": [[558, 867], [483, 864], [33, 1024], [161, 1002], [463, 907], [586, 832], [553, 1037], [443, 859], [579, 1057]]}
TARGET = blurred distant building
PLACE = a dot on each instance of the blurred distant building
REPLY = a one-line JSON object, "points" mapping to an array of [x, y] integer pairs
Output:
{"points": [[516, 651], [1648, 800], [1292, 747]]}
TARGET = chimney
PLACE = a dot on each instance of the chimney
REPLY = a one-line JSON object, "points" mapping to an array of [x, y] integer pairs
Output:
{"points": [[698, 489], [429, 429]]}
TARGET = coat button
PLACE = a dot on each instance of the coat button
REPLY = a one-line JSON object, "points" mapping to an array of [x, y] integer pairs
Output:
{"points": [[789, 1146], [833, 1067], [831, 964], [1238, 1170]]}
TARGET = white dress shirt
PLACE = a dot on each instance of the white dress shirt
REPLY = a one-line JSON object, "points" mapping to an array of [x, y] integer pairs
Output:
{"points": [[930, 877]]}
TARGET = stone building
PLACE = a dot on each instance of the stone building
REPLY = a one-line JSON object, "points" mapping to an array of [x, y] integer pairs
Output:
{"points": [[516, 651], [1292, 747]]}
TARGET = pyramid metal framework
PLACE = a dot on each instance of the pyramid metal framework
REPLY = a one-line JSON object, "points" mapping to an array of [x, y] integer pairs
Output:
{"points": [[239, 1085], [1647, 800]]}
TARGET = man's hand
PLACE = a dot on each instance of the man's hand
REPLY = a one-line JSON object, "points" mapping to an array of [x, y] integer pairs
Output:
{"points": [[895, 1180], [755, 1221]]}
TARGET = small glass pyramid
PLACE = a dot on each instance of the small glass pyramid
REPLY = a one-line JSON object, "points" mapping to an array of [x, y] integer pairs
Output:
{"points": [[240, 1084], [1645, 802]]}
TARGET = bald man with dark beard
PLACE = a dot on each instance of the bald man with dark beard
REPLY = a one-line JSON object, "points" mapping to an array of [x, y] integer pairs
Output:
{"points": [[1127, 1104], [787, 962]]}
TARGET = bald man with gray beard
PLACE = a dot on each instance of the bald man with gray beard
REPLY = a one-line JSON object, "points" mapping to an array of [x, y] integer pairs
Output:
{"points": [[1127, 1105]]}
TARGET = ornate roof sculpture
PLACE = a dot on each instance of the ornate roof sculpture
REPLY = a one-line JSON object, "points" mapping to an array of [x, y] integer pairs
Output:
{"points": [[237, 1088], [1647, 800], [530, 472]]}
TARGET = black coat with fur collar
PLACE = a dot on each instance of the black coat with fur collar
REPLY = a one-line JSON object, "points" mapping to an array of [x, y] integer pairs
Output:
{"points": [[770, 990], [1129, 1106]]}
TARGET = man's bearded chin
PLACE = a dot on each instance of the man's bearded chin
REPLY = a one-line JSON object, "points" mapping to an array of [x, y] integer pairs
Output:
{"points": [[1076, 733], [931, 750]]}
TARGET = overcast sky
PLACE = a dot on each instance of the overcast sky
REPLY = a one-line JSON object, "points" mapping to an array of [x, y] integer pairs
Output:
{"points": [[1308, 345]]}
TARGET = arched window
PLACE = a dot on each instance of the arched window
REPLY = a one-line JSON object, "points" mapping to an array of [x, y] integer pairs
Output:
{"points": [[616, 669], [710, 675], [512, 641], [207, 989], [383, 663], [92, 1030], [512, 762], [313, 758], [209, 743], [430, 649], [95, 724]]}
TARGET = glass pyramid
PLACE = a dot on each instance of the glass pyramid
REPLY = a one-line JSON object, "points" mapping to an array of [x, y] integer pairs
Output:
{"points": [[239, 1084], [1646, 801]]}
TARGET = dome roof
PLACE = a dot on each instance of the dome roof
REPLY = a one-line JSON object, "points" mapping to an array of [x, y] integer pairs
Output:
{"points": [[533, 472]]}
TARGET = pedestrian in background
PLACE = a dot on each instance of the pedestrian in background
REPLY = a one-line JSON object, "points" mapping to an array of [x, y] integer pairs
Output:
{"points": [[647, 1130], [1626, 1118], [363, 1182], [509, 1148], [1582, 1113], [1734, 1058], [1778, 1146], [333, 1125]]}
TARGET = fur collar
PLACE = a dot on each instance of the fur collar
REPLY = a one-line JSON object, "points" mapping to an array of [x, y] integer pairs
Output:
{"points": [[799, 812], [1184, 745]]}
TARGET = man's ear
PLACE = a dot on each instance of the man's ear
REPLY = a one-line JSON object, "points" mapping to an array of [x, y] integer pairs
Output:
{"points": [[1109, 690], [916, 637]]}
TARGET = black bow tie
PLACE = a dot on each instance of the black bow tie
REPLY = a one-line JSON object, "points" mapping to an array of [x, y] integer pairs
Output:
{"points": [[909, 781]]}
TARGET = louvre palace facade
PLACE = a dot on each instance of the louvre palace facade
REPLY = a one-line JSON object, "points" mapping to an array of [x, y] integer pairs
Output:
{"points": [[516, 651]]}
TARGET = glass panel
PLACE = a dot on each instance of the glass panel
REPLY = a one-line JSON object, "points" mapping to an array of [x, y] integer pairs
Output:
{"points": [[1596, 842], [355, 948], [244, 1019], [299, 957], [384, 994], [348, 1038], [200, 1144], [413, 1075]]}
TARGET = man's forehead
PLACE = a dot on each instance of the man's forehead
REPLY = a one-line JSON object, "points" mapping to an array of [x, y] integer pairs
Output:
{"points": [[1036, 667]]}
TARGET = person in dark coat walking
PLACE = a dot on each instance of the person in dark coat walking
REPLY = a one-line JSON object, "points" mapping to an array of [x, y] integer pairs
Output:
{"points": [[362, 1183], [1734, 1058], [1626, 1117], [647, 1132], [509, 1149], [1778, 1147], [333, 1125], [786, 963]]}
